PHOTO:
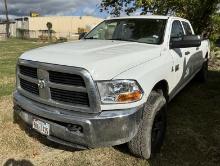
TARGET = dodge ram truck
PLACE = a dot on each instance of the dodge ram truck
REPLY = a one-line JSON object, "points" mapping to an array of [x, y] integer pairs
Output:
{"points": [[113, 85]]}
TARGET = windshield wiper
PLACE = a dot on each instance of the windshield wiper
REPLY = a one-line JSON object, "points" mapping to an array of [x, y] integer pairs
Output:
{"points": [[116, 39], [120, 39], [90, 38]]}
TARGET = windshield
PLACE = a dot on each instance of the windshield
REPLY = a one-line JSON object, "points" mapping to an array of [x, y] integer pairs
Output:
{"points": [[150, 31]]}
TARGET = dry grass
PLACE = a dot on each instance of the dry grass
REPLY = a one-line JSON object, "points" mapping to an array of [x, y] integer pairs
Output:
{"points": [[6, 107], [192, 137]]}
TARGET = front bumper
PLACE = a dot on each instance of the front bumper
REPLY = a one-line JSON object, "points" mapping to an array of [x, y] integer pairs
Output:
{"points": [[107, 128]]}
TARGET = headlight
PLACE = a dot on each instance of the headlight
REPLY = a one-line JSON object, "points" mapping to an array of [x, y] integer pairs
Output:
{"points": [[119, 91]]}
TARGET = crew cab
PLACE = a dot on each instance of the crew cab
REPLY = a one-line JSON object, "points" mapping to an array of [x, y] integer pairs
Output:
{"points": [[113, 85]]}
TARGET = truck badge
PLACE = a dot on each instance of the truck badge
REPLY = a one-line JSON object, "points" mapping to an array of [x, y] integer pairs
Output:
{"points": [[41, 84]]}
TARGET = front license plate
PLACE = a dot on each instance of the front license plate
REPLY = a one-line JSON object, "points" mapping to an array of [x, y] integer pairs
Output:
{"points": [[42, 127]]}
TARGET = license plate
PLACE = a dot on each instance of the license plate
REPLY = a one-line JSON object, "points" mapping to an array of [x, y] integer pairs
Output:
{"points": [[42, 127]]}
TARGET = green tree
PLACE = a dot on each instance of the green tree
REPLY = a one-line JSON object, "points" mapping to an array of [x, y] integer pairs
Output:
{"points": [[49, 27], [199, 12], [215, 27]]}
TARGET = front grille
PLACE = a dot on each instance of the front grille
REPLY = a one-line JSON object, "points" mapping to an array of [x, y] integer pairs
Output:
{"points": [[29, 86], [64, 87], [28, 71], [66, 78], [69, 96]]}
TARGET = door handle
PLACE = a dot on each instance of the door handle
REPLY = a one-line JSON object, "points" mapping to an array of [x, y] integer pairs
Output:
{"points": [[177, 67], [197, 48], [187, 53]]}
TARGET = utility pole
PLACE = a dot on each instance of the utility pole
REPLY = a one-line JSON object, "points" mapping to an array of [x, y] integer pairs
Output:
{"points": [[7, 19]]}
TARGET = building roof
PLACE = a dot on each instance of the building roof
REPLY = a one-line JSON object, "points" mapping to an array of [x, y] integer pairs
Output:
{"points": [[21, 19]]}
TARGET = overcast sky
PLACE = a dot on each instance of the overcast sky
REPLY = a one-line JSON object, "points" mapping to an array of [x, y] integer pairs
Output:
{"points": [[52, 7]]}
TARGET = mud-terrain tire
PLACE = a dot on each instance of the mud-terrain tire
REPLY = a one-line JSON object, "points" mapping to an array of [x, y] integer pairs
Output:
{"points": [[152, 128], [202, 75]]}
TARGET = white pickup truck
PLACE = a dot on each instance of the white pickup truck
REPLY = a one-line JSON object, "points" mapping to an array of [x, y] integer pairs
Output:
{"points": [[112, 86]]}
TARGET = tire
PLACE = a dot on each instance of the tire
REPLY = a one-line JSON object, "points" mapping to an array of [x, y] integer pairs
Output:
{"points": [[202, 75], [152, 128]]}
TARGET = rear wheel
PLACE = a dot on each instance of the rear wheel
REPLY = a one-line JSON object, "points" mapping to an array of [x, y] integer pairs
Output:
{"points": [[151, 133]]}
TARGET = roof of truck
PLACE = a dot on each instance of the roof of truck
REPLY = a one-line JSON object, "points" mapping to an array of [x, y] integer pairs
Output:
{"points": [[145, 16]]}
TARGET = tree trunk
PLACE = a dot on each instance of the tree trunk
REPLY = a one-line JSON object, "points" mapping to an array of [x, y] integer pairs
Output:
{"points": [[7, 19]]}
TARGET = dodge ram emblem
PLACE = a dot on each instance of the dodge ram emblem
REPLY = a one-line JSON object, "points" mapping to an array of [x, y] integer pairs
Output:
{"points": [[41, 84]]}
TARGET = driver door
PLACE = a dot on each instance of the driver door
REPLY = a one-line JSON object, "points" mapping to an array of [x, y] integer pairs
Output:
{"points": [[180, 67]]}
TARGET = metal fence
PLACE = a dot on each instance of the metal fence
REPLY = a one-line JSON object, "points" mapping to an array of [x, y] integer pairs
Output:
{"points": [[37, 34], [3, 36]]}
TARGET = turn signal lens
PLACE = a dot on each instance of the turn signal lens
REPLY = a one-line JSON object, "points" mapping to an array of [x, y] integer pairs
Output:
{"points": [[129, 97]]}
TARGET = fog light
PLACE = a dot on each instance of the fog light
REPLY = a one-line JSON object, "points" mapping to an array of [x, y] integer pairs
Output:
{"points": [[75, 128]]}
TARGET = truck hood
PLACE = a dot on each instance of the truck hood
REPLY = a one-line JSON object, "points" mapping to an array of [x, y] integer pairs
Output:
{"points": [[104, 59]]}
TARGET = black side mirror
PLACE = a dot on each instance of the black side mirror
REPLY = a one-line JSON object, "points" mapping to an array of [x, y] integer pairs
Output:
{"points": [[82, 35], [185, 42]]}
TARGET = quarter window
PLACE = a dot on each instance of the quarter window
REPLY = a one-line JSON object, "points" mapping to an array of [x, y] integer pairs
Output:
{"points": [[187, 28], [177, 30]]}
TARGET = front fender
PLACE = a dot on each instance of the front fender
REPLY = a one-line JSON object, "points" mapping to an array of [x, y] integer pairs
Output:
{"points": [[147, 75]]}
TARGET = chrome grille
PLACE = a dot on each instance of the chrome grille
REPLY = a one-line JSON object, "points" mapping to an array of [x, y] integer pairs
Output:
{"points": [[28, 71], [66, 78], [29, 86], [60, 86], [69, 96]]}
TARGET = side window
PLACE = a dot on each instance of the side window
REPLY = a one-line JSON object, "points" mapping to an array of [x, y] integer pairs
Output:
{"points": [[187, 28], [177, 30]]}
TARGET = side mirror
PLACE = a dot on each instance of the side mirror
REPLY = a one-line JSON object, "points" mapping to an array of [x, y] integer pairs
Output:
{"points": [[82, 35], [185, 42]]}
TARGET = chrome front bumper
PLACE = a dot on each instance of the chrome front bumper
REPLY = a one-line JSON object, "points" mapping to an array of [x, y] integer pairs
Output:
{"points": [[107, 128]]}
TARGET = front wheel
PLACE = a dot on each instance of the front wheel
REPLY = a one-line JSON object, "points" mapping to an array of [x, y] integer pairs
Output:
{"points": [[151, 132]]}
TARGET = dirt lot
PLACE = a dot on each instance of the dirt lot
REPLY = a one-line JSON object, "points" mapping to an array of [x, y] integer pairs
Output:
{"points": [[193, 134]]}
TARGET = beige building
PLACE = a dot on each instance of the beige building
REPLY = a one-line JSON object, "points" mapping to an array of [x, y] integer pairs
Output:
{"points": [[3, 29], [62, 26]]}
